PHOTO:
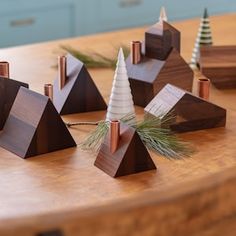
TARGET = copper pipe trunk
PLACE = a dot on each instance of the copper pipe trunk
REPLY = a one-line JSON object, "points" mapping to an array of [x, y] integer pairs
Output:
{"points": [[4, 69], [204, 88], [114, 135], [48, 91], [62, 70], [136, 48]]}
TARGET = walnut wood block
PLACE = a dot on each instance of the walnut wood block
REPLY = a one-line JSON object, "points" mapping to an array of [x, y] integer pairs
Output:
{"points": [[80, 93], [8, 91], [149, 76], [160, 39], [190, 112], [131, 156], [34, 127], [64, 191], [218, 63]]}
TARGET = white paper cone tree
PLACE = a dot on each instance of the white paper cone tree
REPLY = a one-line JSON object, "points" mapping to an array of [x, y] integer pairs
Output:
{"points": [[121, 100], [204, 38], [163, 16]]}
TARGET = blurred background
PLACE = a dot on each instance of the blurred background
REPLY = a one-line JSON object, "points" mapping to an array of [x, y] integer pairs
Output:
{"points": [[30, 21]]}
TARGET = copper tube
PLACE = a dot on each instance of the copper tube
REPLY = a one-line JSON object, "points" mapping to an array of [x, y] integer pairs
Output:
{"points": [[114, 135], [62, 70], [48, 91], [204, 88], [136, 48], [4, 69]]}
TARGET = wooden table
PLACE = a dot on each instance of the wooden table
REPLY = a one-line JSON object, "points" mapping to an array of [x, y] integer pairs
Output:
{"points": [[63, 190]]}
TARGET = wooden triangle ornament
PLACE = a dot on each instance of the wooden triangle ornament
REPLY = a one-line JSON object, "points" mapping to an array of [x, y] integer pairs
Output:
{"points": [[8, 91], [78, 93], [189, 112], [34, 127], [130, 156]]}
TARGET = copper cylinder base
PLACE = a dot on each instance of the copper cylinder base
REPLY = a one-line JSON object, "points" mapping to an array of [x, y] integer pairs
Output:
{"points": [[4, 69], [136, 48], [114, 135], [48, 91], [62, 70], [204, 88]]}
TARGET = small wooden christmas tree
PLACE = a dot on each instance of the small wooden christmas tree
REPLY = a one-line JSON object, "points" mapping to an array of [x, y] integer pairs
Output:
{"points": [[121, 100], [204, 38]]}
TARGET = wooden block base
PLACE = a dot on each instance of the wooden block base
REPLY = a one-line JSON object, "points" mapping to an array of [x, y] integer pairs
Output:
{"points": [[8, 91], [149, 76], [80, 93], [34, 127], [189, 112], [218, 63], [131, 156]]}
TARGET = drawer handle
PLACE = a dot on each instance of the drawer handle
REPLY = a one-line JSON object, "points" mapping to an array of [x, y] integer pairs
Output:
{"points": [[22, 22], [130, 3]]}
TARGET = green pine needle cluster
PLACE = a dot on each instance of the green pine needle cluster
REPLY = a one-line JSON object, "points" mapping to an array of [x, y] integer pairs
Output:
{"points": [[94, 60], [158, 139]]}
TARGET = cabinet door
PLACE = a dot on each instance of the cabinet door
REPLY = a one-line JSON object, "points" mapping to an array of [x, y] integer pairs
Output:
{"points": [[126, 13], [36, 25], [115, 14]]}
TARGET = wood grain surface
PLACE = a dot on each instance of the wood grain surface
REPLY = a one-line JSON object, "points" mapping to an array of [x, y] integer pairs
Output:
{"points": [[64, 191]]}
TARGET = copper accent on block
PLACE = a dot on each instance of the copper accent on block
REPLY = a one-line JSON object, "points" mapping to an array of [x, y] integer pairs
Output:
{"points": [[4, 69], [114, 135], [136, 48], [48, 91], [62, 70], [204, 88]]}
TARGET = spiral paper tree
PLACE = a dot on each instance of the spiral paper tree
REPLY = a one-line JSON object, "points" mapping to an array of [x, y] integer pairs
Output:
{"points": [[204, 38], [121, 100]]}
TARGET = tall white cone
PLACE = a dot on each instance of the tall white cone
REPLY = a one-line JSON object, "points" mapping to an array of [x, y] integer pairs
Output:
{"points": [[204, 38], [163, 16], [121, 100]]}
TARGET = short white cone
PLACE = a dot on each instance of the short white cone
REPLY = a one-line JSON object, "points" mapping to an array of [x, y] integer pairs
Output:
{"points": [[121, 100], [163, 16]]}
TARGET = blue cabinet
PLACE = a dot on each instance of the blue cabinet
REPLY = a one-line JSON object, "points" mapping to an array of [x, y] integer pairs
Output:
{"points": [[24, 21], [29, 21]]}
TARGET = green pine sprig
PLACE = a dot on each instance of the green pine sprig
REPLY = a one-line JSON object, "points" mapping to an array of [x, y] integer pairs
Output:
{"points": [[94, 60], [158, 139]]}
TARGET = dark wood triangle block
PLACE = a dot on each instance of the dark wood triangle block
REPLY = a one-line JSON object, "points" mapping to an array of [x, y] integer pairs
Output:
{"points": [[189, 112], [80, 93], [131, 156], [218, 63], [149, 76], [34, 126], [8, 91]]}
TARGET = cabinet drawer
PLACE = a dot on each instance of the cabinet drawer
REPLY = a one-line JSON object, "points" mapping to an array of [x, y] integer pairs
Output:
{"points": [[126, 13], [36, 25]]}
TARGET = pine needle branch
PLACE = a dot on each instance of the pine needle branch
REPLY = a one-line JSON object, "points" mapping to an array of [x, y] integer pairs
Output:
{"points": [[96, 60], [158, 139]]}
